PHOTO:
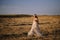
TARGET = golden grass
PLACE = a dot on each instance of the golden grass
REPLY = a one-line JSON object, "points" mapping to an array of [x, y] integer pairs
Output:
{"points": [[16, 28]]}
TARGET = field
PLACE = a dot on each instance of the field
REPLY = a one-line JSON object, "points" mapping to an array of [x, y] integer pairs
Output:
{"points": [[16, 27]]}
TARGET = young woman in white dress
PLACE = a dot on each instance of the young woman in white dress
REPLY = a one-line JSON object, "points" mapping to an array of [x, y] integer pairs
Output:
{"points": [[35, 27]]}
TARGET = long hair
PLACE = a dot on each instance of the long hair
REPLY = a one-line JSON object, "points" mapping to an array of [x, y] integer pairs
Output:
{"points": [[35, 16]]}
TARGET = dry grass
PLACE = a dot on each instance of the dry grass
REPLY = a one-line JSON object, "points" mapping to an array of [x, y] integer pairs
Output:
{"points": [[16, 28]]}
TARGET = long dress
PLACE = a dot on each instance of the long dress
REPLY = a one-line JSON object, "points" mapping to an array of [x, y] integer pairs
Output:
{"points": [[35, 28]]}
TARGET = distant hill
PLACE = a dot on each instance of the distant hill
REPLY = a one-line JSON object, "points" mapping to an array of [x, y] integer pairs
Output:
{"points": [[23, 15], [20, 15]]}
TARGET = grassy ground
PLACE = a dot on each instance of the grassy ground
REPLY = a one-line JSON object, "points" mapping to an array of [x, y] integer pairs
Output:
{"points": [[16, 28]]}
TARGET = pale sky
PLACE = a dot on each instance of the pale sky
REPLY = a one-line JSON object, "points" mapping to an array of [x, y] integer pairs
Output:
{"points": [[44, 7]]}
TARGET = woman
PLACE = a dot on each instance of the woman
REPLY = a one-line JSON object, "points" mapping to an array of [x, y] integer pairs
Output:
{"points": [[35, 27]]}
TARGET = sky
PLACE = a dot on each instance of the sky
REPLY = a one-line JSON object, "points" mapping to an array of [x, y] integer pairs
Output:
{"points": [[42, 7]]}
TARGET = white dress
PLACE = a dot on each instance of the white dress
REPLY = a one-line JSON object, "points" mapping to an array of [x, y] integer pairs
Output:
{"points": [[35, 28]]}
